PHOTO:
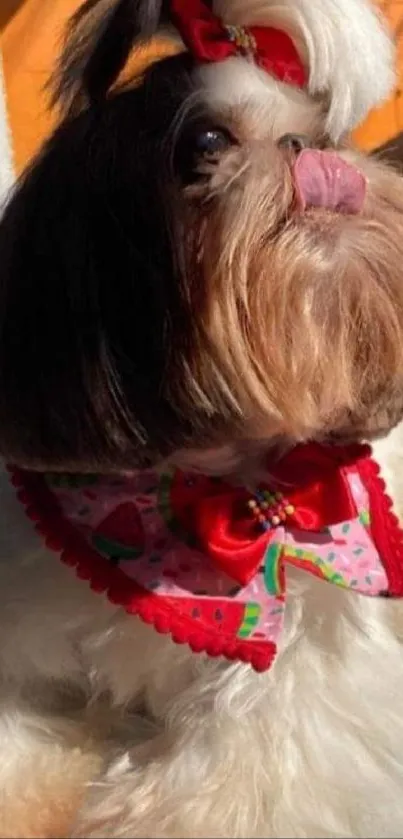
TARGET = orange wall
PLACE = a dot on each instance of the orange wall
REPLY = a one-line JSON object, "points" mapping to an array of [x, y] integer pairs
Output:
{"points": [[384, 123], [30, 32], [30, 36], [29, 42]]}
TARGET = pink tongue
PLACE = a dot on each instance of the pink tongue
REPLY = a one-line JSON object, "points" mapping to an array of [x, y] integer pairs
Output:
{"points": [[323, 179]]}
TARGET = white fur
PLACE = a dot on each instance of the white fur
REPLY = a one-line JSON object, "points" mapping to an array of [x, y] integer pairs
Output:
{"points": [[313, 748], [270, 107], [349, 55]]}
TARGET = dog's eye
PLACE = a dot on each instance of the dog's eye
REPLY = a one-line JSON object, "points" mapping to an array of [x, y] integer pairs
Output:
{"points": [[212, 142], [200, 146]]}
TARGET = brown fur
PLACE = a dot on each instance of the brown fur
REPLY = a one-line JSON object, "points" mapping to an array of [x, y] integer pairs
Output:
{"points": [[300, 314]]}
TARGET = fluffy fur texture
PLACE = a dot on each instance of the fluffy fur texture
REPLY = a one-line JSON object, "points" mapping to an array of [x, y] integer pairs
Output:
{"points": [[160, 298]]}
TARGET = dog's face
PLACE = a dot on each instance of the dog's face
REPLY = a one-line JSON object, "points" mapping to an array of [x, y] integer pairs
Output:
{"points": [[165, 287]]}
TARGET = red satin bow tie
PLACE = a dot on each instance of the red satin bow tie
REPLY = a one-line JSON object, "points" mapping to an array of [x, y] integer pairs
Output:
{"points": [[308, 492], [210, 40]]}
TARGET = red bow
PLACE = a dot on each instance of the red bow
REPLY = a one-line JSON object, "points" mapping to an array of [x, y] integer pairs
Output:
{"points": [[315, 494], [209, 39]]}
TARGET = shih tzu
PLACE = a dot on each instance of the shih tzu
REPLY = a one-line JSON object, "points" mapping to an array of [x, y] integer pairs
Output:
{"points": [[201, 332]]}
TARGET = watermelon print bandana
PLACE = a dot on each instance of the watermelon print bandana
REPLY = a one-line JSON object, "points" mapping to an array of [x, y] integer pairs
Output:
{"points": [[206, 561]]}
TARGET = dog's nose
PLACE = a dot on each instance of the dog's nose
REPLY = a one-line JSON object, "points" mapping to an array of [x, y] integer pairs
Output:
{"points": [[293, 142]]}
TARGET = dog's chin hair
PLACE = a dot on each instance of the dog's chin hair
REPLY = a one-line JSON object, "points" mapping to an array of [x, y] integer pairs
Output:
{"points": [[244, 460], [285, 302]]}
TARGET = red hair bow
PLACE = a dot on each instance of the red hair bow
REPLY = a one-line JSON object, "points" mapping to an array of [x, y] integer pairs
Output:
{"points": [[308, 493], [210, 40]]}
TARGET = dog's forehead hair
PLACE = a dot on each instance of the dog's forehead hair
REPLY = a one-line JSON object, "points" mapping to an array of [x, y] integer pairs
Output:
{"points": [[174, 92], [241, 92]]}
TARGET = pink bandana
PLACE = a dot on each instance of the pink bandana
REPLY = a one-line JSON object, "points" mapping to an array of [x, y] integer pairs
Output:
{"points": [[205, 561]]}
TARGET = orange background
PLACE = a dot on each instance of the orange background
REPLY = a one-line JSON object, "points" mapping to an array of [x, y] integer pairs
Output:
{"points": [[30, 32]]}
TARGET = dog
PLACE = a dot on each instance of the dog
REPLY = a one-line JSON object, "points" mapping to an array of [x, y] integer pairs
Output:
{"points": [[200, 274]]}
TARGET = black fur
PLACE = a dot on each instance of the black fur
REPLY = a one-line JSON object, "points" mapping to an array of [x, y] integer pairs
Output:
{"points": [[94, 316], [131, 20], [92, 61]]}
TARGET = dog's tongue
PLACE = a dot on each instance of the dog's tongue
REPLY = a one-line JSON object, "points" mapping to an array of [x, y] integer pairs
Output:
{"points": [[323, 179]]}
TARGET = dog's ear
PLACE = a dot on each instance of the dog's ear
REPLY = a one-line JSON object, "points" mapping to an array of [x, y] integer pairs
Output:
{"points": [[89, 289], [98, 42]]}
